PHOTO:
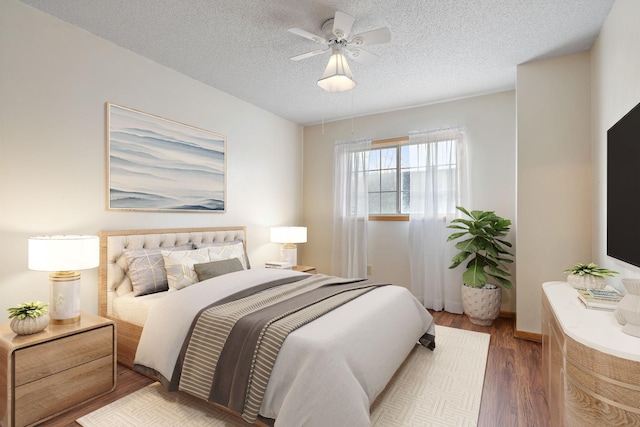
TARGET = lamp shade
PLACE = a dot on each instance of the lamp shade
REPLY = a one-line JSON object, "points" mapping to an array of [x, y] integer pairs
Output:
{"points": [[63, 253], [337, 76], [288, 234]]}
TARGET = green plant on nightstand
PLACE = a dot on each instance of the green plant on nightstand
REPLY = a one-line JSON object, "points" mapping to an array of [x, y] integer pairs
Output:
{"points": [[28, 317], [28, 309]]}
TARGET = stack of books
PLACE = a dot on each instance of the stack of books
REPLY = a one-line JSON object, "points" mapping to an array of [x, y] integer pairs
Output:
{"points": [[600, 299], [278, 264]]}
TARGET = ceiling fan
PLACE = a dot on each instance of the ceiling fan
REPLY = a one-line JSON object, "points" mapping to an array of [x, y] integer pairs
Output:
{"points": [[337, 76]]}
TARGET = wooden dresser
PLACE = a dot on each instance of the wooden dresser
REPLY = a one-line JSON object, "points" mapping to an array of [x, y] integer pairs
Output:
{"points": [[591, 368], [45, 374]]}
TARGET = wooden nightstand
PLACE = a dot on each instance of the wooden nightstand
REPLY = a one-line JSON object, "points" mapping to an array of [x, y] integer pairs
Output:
{"points": [[45, 374], [304, 269]]}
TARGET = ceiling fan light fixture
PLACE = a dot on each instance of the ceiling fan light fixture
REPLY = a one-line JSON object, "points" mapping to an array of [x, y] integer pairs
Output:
{"points": [[337, 76]]}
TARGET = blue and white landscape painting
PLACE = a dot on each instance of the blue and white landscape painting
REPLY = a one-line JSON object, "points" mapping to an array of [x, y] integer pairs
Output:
{"points": [[158, 164]]}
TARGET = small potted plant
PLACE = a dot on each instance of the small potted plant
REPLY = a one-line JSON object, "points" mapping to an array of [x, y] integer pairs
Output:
{"points": [[588, 276], [28, 317], [488, 252]]}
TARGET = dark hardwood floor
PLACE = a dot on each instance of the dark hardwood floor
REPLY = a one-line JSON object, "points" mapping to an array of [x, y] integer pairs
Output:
{"points": [[513, 393], [127, 382]]}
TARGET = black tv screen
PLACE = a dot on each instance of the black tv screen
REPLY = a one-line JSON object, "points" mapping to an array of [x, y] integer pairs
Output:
{"points": [[623, 188]]}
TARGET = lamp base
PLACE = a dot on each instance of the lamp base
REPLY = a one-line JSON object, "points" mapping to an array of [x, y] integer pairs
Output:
{"points": [[64, 297], [289, 253]]}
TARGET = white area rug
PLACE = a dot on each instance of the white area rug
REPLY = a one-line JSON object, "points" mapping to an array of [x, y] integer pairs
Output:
{"points": [[439, 388]]}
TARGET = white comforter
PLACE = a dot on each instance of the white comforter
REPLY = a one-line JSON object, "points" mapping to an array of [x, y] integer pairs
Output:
{"points": [[328, 372]]}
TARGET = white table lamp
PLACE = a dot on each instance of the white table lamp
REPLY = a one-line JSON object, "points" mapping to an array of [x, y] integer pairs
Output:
{"points": [[62, 255], [289, 236]]}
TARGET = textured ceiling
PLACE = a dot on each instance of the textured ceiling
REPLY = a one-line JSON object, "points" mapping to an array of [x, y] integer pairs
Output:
{"points": [[440, 49]]}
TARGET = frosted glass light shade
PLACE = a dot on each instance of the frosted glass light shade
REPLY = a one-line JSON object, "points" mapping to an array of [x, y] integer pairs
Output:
{"points": [[289, 234], [337, 76], [63, 253]]}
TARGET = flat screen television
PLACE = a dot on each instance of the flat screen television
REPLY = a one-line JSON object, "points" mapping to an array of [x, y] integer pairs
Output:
{"points": [[623, 188]]}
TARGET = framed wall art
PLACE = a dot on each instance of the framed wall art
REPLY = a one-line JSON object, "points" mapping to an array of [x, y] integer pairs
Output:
{"points": [[157, 164]]}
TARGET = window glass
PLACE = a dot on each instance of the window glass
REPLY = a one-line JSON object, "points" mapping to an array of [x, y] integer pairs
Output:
{"points": [[374, 159], [373, 181], [390, 170], [374, 204], [406, 180], [404, 156], [388, 180], [389, 203], [406, 202], [388, 158]]}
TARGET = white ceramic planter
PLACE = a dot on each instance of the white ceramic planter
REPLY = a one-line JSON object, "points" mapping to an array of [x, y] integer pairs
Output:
{"points": [[628, 309], [29, 325], [586, 281], [482, 305]]}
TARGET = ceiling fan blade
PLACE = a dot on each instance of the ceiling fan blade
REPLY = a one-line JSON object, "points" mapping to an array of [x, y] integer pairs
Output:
{"points": [[342, 24], [361, 56], [308, 35], [308, 54], [381, 35]]}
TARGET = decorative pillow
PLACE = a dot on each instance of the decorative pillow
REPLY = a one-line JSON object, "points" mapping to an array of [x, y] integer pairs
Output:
{"points": [[211, 269], [179, 266], [146, 269], [226, 250]]}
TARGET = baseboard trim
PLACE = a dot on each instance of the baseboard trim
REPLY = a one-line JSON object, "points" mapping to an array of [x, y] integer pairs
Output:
{"points": [[530, 336]]}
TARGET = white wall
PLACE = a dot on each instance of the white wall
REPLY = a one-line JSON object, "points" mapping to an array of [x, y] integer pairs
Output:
{"points": [[615, 89], [554, 177], [54, 82], [490, 130]]}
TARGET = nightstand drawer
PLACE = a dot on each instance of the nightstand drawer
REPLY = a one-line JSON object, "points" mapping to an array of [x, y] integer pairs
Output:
{"points": [[53, 394], [39, 361]]}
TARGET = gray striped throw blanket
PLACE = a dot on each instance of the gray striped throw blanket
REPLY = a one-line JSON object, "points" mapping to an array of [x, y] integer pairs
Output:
{"points": [[230, 351]]}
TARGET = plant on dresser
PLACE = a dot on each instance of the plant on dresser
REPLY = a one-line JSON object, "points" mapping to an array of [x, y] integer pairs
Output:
{"points": [[29, 317], [588, 276]]}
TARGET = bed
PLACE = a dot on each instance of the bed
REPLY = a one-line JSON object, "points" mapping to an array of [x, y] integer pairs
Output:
{"points": [[328, 371]]}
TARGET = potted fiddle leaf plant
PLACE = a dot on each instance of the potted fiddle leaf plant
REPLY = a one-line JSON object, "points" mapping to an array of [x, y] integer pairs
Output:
{"points": [[482, 245], [28, 318]]}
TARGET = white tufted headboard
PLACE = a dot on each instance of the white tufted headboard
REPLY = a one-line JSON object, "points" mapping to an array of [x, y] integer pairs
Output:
{"points": [[113, 278]]}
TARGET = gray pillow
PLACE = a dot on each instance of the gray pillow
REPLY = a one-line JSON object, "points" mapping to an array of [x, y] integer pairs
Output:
{"points": [[207, 270], [146, 269]]}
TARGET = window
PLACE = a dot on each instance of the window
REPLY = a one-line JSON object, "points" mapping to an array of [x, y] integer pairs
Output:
{"points": [[389, 167], [382, 181]]}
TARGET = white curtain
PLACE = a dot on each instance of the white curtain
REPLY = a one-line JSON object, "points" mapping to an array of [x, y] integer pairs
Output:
{"points": [[438, 184], [351, 209]]}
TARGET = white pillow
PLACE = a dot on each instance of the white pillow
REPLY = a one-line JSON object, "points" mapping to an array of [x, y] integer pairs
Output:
{"points": [[227, 250], [179, 266]]}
